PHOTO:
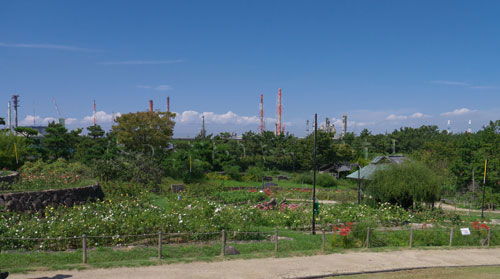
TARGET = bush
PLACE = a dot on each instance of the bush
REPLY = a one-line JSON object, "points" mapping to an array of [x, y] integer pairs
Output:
{"points": [[322, 179], [404, 184], [254, 174], [60, 166], [242, 196], [233, 172]]}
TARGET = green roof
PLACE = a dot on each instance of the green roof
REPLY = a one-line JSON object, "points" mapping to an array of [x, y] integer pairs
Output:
{"points": [[379, 162]]}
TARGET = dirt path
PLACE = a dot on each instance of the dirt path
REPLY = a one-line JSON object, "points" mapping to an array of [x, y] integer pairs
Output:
{"points": [[307, 200], [290, 267], [450, 207]]}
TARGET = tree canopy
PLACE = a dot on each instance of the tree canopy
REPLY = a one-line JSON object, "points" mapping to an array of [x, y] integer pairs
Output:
{"points": [[141, 131]]}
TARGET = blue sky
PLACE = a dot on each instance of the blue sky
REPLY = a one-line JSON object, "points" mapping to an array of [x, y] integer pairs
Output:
{"points": [[386, 64]]}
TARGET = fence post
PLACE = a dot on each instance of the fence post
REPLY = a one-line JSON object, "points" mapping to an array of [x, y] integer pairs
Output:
{"points": [[323, 241], [84, 248], [489, 236], [368, 237], [160, 240], [276, 242], [411, 237], [223, 249], [451, 236]]}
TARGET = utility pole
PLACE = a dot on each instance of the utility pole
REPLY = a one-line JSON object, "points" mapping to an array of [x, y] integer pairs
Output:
{"points": [[484, 187], [359, 183], [314, 175]]}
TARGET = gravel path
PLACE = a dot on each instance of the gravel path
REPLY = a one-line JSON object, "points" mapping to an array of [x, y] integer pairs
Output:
{"points": [[290, 267]]}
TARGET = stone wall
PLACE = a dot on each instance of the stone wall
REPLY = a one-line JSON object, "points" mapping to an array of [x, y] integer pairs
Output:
{"points": [[35, 201], [9, 178]]}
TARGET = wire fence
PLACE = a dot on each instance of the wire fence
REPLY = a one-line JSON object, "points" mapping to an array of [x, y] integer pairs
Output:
{"points": [[182, 244]]}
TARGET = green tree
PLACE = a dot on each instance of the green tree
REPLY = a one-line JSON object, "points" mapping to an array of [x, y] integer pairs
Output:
{"points": [[144, 131], [8, 152], [405, 184], [26, 132]]}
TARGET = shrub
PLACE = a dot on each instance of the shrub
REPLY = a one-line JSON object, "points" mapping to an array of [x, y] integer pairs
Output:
{"points": [[241, 196], [404, 184], [60, 166], [233, 172], [322, 179], [254, 174]]}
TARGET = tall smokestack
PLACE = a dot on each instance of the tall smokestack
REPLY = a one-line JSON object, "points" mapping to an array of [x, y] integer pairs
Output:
{"points": [[344, 125], [168, 103], [279, 112], [150, 105], [15, 102], [95, 122], [9, 116], [261, 114]]}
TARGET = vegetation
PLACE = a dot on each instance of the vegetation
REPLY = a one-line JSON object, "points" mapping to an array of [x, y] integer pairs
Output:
{"points": [[137, 161], [406, 184]]}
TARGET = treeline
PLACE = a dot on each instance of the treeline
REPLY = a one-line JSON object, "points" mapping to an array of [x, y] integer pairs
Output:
{"points": [[139, 148]]}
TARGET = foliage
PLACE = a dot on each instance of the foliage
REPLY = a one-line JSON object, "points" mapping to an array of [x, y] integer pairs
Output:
{"points": [[7, 151], [240, 196], [58, 167], [322, 179], [405, 184], [58, 142], [144, 131], [254, 174], [233, 172]]}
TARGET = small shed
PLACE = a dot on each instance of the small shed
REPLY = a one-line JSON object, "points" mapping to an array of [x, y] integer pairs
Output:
{"points": [[377, 163]]}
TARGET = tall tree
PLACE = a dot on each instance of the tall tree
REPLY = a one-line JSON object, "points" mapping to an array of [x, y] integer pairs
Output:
{"points": [[144, 131]]}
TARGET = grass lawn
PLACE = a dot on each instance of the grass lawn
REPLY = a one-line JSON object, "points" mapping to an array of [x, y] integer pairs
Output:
{"points": [[342, 184], [435, 273], [293, 244], [5, 172]]}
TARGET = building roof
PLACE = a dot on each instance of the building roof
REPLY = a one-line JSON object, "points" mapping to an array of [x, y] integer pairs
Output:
{"points": [[379, 162]]}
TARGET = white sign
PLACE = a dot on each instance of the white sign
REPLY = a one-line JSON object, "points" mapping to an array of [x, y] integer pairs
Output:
{"points": [[465, 231]]}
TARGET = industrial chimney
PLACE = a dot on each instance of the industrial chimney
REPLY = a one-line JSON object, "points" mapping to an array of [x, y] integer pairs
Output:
{"points": [[150, 105]]}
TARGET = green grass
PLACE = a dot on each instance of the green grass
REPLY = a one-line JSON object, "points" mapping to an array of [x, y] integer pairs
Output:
{"points": [[5, 172], [435, 273], [343, 184], [22, 187], [299, 244], [291, 243]]}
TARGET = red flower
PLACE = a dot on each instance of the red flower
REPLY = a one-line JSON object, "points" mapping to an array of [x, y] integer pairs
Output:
{"points": [[335, 228], [485, 226]]}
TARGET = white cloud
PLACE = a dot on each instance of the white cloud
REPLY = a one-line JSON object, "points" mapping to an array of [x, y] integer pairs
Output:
{"points": [[163, 87], [447, 82], [419, 115], [396, 117], [70, 121], [38, 120], [101, 117], [142, 62], [457, 112], [47, 46], [463, 84], [191, 117]]}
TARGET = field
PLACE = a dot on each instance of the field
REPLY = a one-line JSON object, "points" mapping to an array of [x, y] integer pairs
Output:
{"points": [[123, 229]]}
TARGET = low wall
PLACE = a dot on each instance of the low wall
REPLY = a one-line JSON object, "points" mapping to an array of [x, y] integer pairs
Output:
{"points": [[35, 201], [9, 178]]}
